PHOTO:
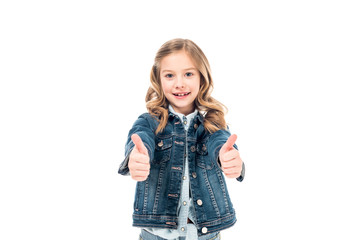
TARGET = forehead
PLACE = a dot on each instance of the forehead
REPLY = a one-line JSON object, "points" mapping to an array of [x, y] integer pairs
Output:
{"points": [[177, 61]]}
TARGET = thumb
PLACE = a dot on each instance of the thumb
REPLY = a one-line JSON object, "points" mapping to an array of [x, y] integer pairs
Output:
{"points": [[139, 144], [230, 142]]}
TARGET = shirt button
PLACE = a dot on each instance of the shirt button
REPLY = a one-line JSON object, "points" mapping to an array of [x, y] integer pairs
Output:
{"points": [[184, 177], [204, 230], [199, 202], [184, 203], [183, 229], [192, 149], [184, 120], [194, 175]]}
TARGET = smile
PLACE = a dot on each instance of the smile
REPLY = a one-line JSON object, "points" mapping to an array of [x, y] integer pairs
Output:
{"points": [[181, 94]]}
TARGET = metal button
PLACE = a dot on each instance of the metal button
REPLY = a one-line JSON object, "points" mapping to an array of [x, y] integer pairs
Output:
{"points": [[160, 144], [193, 149], [199, 202], [184, 203], [204, 230], [195, 126], [204, 148], [183, 229], [184, 177], [194, 175]]}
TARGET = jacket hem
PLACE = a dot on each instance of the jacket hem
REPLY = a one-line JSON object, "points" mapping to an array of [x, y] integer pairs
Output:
{"points": [[156, 221], [153, 221]]}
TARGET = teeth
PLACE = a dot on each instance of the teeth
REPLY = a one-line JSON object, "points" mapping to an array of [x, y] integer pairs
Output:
{"points": [[181, 94]]}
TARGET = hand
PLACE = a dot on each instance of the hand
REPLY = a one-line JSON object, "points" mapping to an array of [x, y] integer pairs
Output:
{"points": [[230, 160], [139, 162]]}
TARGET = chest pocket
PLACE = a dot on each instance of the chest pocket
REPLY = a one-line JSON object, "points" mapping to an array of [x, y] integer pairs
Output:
{"points": [[202, 157], [162, 150]]}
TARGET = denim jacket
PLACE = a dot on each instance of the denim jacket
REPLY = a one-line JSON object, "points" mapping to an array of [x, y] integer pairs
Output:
{"points": [[157, 198]]}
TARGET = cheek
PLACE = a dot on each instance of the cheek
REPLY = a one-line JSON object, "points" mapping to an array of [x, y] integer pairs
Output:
{"points": [[196, 86], [165, 87]]}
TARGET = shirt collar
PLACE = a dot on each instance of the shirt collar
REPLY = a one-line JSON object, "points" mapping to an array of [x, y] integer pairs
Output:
{"points": [[181, 116]]}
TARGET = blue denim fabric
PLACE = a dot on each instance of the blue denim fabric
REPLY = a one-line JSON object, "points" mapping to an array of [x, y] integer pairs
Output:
{"points": [[185, 207], [157, 198]]}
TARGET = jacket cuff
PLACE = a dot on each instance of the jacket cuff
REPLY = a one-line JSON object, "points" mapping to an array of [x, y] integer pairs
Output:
{"points": [[242, 175], [217, 157], [124, 168]]}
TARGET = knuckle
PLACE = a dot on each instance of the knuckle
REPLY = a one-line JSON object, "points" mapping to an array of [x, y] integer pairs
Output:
{"points": [[226, 165]]}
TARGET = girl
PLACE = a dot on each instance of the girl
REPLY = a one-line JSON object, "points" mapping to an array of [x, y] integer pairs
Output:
{"points": [[180, 150]]}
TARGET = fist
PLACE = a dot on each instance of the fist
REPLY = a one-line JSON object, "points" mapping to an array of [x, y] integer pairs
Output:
{"points": [[139, 161], [230, 160]]}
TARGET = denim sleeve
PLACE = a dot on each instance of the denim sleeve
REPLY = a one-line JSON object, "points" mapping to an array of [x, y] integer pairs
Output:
{"points": [[242, 175], [143, 128], [216, 141]]}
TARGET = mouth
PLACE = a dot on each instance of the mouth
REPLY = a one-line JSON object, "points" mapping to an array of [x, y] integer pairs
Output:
{"points": [[181, 94]]}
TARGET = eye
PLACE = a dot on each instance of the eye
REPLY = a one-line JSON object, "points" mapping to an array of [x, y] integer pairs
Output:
{"points": [[189, 74], [169, 75]]}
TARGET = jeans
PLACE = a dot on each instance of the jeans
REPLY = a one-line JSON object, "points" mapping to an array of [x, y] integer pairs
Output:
{"points": [[148, 236]]}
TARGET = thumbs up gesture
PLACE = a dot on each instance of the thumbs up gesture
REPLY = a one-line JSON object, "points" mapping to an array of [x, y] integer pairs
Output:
{"points": [[230, 160], [139, 161]]}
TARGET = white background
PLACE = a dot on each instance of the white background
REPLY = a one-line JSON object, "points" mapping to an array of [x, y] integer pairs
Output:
{"points": [[74, 75]]}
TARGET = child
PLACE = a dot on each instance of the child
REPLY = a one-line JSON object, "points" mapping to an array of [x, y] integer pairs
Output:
{"points": [[179, 151]]}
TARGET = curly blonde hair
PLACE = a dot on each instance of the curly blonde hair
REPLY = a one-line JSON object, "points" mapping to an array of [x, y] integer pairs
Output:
{"points": [[156, 102]]}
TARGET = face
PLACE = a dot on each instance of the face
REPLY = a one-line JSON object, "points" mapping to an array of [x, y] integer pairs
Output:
{"points": [[180, 81]]}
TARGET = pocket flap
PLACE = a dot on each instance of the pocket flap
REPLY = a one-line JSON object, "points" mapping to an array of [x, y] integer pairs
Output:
{"points": [[201, 149], [163, 143]]}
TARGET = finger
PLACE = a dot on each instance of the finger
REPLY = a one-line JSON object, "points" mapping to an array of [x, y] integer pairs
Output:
{"points": [[231, 166], [136, 166], [235, 162], [228, 165], [134, 172], [232, 172], [140, 175], [230, 155], [139, 143], [234, 175], [140, 178], [230, 142], [141, 167], [140, 158]]}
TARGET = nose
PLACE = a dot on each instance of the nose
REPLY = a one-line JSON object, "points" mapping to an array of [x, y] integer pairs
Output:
{"points": [[179, 82]]}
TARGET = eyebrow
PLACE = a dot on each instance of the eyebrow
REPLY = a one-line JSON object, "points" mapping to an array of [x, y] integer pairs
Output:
{"points": [[186, 69]]}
